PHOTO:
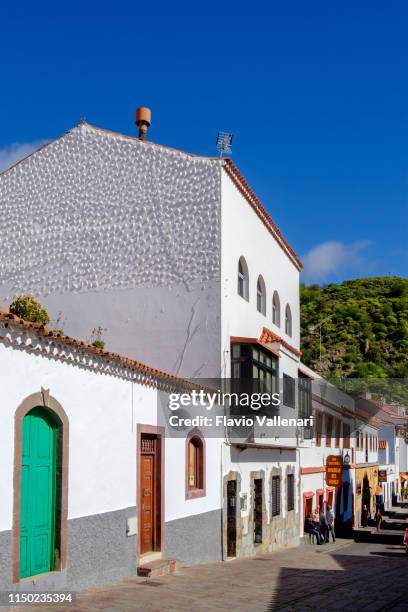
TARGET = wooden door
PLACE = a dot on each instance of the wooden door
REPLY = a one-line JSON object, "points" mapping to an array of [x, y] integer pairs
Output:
{"points": [[38, 488], [232, 518], [308, 509], [147, 500], [258, 500]]}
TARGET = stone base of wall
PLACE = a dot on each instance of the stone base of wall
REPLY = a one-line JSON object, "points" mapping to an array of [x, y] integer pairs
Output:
{"points": [[195, 539], [98, 552], [278, 532]]}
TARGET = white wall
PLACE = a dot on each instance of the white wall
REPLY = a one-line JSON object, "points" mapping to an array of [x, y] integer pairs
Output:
{"points": [[403, 456], [372, 454], [253, 459], [103, 415], [244, 234], [124, 235], [177, 506]]}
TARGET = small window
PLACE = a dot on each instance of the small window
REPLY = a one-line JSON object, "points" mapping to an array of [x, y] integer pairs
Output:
{"points": [[276, 496], [289, 391], [243, 279], [338, 433], [329, 429], [261, 295], [195, 484], [288, 320], [304, 396], [291, 491], [346, 435], [319, 427], [276, 309]]}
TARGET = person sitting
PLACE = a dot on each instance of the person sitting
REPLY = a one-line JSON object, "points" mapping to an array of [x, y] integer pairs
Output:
{"points": [[311, 528]]}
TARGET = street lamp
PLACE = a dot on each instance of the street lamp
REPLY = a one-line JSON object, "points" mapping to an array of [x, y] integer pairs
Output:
{"points": [[312, 329]]}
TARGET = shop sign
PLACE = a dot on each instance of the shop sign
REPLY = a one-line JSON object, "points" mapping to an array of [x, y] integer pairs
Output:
{"points": [[334, 469], [382, 475]]}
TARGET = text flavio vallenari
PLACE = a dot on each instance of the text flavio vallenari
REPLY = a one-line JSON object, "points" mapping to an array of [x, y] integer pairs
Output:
{"points": [[243, 421], [213, 400]]}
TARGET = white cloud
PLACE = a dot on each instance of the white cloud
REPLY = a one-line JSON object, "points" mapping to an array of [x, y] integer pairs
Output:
{"points": [[13, 153], [330, 258]]}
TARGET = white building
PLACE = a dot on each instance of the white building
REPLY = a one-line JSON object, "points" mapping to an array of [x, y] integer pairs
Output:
{"points": [[175, 258], [341, 430], [90, 481], [144, 241], [387, 418]]}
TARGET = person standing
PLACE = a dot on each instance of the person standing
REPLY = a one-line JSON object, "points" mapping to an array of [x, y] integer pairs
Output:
{"points": [[330, 523], [323, 527], [378, 518], [364, 516]]}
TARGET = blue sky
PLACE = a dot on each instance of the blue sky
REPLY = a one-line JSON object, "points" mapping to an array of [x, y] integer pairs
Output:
{"points": [[316, 95]]}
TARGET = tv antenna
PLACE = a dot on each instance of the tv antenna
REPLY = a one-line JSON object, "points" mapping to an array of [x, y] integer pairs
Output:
{"points": [[224, 141]]}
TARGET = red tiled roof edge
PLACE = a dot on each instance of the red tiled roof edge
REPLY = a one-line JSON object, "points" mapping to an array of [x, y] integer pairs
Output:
{"points": [[252, 199], [41, 331], [269, 336]]}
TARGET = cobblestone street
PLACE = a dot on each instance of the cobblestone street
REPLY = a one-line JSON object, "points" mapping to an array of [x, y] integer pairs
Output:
{"points": [[341, 576]]}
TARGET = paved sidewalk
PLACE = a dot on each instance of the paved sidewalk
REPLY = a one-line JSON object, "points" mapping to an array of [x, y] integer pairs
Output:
{"points": [[341, 576]]}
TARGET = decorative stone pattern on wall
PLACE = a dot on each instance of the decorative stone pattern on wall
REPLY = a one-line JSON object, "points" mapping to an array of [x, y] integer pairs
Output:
{"points": [[95, 210], [278, 532]]}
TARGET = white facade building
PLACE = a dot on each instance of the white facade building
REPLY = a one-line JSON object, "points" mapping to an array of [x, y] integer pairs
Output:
{"points": [[175, 258], [77, 511], [143, 241]]}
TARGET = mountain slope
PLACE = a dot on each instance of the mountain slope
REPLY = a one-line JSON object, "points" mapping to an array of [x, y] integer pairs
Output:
{"points": [[366, 331]]}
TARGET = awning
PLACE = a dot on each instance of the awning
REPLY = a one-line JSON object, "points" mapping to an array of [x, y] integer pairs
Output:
{"points": [[403, 476], [378, 490]]}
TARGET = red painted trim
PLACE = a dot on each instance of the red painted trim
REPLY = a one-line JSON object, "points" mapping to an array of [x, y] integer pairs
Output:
{"points": [[313, 470], [238, 340], [159, 432], [340, 409], [319, 492], [249, 195], [241, 340], [306, 496], [306, 374], [269, 336]]}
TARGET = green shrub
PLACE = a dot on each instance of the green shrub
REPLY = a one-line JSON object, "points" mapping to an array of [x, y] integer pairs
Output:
{"points": [[28, 308], [99, 344]]}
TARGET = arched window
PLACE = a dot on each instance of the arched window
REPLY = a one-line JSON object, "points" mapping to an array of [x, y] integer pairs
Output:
{"points": [[261, 295], [243, 278], [195, 465], [288, 320], [276, 309]]}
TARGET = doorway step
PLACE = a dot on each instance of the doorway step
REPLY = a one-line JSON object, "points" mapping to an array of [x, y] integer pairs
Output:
{"points": [[158, 567]]}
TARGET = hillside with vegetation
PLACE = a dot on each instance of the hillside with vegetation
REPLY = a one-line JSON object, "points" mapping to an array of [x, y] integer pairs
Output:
{"points": [[365, 329]]}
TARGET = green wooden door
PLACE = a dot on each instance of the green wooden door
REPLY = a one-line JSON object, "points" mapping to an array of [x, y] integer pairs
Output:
{"points": [[38, 484]]}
